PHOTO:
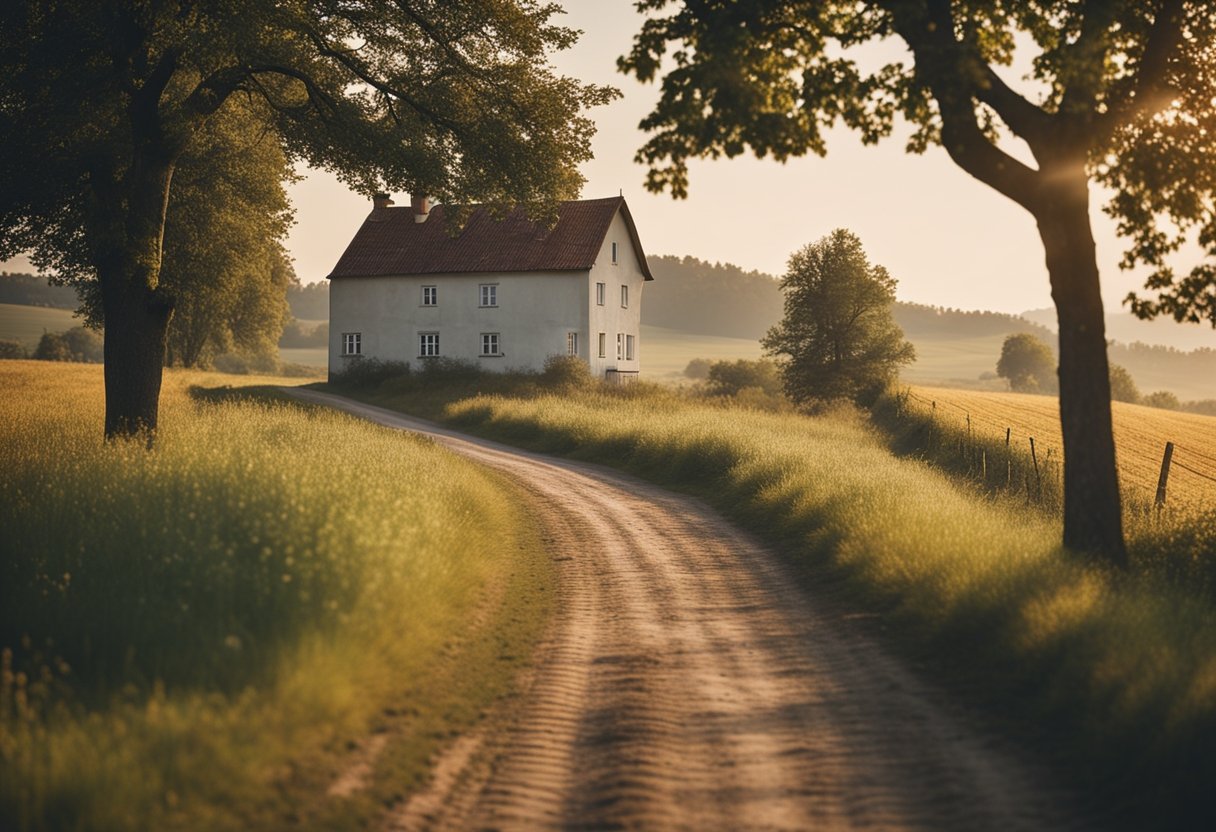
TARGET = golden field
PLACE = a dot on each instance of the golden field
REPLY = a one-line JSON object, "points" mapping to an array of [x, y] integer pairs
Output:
{"points": [[1140, 437]]}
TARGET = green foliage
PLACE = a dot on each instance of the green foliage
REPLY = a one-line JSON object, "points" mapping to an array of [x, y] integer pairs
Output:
{"points": [[1122, 387], [1163, 399], [77, 344], [1028, 364], [566, 372], [729, 378], [12, 349], [837, 338], [193, 636], [1126, 89]]}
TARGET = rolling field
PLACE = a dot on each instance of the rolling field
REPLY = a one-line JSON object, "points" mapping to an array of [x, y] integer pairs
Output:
{"points": [[1140, 437], [26, 324], [207, 635]]}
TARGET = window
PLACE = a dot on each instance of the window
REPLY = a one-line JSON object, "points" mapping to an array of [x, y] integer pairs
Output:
{"points": [[624, 297], [489, 294], [628, 347], [430, 295], [571, 343], [428, 344], [614, 254], [620, 346], [489, 343], [352, 343], [599, 293], [603, 343]]}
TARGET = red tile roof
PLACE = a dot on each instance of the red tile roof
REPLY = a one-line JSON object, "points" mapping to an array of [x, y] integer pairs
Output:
{"points": [[391, 243]]}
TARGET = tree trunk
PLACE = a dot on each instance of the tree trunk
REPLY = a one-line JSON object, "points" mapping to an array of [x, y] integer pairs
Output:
{"points": [[137, 321], [136, 310], [1093, 522]]}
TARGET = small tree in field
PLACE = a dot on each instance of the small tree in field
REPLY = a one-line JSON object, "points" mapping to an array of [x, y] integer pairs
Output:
{"points": [[837, 339], [1028, 364], [1122, 386]]}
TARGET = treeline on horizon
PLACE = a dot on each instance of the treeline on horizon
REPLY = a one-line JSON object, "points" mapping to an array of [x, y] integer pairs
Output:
{"points": [[720, 299]]}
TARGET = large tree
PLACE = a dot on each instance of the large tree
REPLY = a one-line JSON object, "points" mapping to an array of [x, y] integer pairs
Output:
{"points": [[99, 101], [1028, 364], [837, 339], [1126, 96]]}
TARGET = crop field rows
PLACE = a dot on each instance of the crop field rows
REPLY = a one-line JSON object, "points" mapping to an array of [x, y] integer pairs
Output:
{"points": [[1140, 437]]}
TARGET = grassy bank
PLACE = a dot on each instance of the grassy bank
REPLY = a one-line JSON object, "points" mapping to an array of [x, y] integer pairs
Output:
{"points": [[1113, 675], [207, 635]]}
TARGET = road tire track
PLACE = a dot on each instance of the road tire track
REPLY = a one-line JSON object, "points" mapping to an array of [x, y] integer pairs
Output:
{"points": [[689, 682]]}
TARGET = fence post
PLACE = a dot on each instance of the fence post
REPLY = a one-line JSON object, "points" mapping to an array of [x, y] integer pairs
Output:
{"points": [[1038, 482], [1007, 436], [1164, 478], [984, 465]]}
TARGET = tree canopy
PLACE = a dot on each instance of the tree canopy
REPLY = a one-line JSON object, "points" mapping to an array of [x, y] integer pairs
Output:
{"points": [[1028, 364], [99, 102], [837, 339], [1122, 93]]}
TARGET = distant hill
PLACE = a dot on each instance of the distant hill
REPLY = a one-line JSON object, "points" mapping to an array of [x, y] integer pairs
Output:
{"points": [[721, 299], [34, 290], [1128, 329]]}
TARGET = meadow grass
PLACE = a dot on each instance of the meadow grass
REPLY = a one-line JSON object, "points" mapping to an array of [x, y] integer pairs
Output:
{"points": [[26, 324], [201, 635], [1112, 675]]}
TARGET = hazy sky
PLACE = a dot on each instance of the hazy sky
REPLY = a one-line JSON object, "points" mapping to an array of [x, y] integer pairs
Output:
{"points": [[947, 239]]}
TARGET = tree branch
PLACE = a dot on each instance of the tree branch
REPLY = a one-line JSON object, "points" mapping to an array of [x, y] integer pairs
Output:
{"points": [[1149, 89], [950, 77]]}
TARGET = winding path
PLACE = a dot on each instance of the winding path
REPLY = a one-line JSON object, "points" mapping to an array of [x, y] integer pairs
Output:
{"points": [[689, 683]]}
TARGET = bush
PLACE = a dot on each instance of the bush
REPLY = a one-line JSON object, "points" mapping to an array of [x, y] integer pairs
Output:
{"points": [[369, 372], [1028, 364], [11, 349], [1122, 387], [1163, 399], [698, 369], [566, 372], [53, 347], [728, 378]]}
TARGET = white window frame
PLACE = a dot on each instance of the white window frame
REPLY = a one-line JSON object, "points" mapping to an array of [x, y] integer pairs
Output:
{"points": [[428, 344], [614, 260], [491, 345], [629, 347], [603, 345], [601, 293], [571, 343], [430, 295], [624, 296], [620, 347], [352, 343], [487, 295]]}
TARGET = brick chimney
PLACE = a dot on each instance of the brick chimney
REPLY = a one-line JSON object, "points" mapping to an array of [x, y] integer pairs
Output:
{"points": [[381, 200], [421, 206]]}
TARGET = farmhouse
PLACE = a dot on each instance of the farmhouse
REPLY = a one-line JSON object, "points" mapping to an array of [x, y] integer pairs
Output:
{"points": [[503, 293]]}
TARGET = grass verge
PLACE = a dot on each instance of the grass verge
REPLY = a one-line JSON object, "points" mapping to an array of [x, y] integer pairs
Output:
{"points": [[206, 635], [1114, 676]]}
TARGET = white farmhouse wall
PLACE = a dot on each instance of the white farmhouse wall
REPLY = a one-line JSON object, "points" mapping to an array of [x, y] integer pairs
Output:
{"points": [[535, 312], [611, 319]]}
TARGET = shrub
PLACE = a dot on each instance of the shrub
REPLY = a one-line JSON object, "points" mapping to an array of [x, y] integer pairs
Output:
{"points": [[698, 369], [1122, 387], [53, 347], [566, 372], [1163, 399], [11, 349], [368, 372], [728, 378]]}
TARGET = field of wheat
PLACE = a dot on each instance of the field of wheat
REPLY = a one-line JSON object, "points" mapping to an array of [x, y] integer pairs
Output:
{"points": [[1140, 437]]}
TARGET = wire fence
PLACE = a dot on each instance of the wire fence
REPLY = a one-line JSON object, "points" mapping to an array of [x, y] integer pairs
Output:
{"points": [[1004, 454]]}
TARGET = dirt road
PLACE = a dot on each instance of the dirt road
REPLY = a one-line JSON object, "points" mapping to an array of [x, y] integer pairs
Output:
{"points": [[688, 683]]}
